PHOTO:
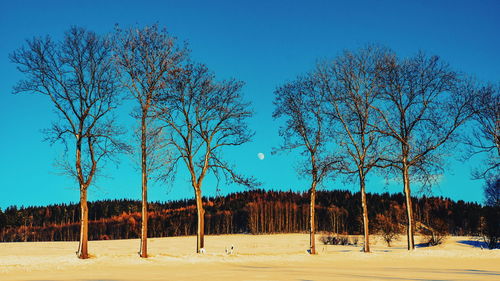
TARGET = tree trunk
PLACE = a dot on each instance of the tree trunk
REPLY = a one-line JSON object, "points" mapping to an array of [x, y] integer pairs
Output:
{"points": [[366, 247], [83, 252], [200, 235], [409, 210], [312, 245], [143, 252]]}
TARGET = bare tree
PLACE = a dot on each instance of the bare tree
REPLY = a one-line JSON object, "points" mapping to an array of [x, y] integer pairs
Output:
{"points": [[351, 82], [492, 192], [423, 105], [78, 77], [146, 58], [388, 229], [302, 103], [202, 117], [485, 135], [485, 139], [490, 220]]}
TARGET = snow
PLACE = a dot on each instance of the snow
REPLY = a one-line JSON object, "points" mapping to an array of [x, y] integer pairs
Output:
{"points": [[255, 257]]}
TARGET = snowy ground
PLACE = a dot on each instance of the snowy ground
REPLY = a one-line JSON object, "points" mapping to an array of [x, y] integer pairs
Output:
{"points": [[257, 257]]}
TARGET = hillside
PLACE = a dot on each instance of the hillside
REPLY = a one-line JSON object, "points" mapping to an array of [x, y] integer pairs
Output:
{"points": [[255, 212]]}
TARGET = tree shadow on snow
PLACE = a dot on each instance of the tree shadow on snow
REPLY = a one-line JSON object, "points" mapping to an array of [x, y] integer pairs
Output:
{"points": [[423, 245], [474, 243]]}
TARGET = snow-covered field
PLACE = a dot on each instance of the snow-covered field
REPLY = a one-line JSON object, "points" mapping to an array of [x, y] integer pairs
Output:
{"points": [[256, 257]]}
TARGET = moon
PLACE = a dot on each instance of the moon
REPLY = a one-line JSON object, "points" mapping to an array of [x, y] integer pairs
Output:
{"points": [[260, 155]]}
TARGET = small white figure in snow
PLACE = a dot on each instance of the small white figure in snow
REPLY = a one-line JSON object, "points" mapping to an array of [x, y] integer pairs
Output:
{"points": [[230, 250]]}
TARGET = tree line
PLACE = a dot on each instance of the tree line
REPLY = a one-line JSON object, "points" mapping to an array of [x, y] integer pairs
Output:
{"points": [[255, 212], [365, 111]]}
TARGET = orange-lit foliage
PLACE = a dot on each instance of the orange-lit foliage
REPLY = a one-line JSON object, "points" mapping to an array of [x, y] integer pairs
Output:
{"points": [[254, 211]]}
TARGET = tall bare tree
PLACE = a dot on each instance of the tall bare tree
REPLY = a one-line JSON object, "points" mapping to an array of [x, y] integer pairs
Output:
{"points": [[77, 75], [302, 103], [202, 117], [351, 83], [424, 103], [146, 59]]}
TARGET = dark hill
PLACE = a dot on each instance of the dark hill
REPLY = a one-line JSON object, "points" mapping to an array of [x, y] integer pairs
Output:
{"points": [[255, 211]]}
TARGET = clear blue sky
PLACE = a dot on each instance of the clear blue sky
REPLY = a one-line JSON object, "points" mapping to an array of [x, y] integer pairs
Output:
{"points": [[263, 43]]}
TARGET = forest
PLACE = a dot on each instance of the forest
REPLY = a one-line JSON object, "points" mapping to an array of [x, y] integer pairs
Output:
{"points": [[253, 212]]}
